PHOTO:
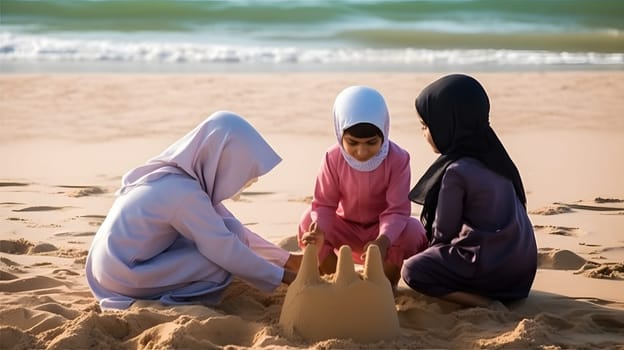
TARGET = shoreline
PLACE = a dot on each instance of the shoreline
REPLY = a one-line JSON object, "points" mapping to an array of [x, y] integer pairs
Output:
{"points": [[79, 67]]}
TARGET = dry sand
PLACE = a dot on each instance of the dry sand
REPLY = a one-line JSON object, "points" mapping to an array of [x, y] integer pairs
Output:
{"points": [[66, 140]]}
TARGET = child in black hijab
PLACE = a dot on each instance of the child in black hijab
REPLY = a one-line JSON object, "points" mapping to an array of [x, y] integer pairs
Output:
{"points": [[482, 245]]}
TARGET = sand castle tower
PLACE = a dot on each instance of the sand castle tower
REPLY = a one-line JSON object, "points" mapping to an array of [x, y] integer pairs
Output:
{"points": [[359, 307]]}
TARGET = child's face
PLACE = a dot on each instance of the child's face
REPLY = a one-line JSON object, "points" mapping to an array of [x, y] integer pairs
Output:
{"points": [[427, 136], [361, 149]]}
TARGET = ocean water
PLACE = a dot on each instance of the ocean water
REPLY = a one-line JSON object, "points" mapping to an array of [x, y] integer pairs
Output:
{"points": [[310, 35]]}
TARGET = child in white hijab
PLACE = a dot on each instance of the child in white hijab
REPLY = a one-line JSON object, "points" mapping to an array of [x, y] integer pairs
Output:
{"points": [[360, 192], [169, 237]]}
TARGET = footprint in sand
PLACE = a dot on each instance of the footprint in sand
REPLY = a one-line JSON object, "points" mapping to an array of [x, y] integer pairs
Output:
{"points": [[65, 272], [7, 276], [39, 208], [549, 258], [16, 219], [608, 200], [59, 309], [589, 244], [555, 259], [22, 246], [606, 249], [557, 230], [83, 191], [595, 205], [551, 210], [607, 253], [30, 284], [75, 234], [305, 199], [592, 207], [607, 323], [611, 271], [242, 196], [95, 220], [13, 184], [42, 248], [8, 262]]}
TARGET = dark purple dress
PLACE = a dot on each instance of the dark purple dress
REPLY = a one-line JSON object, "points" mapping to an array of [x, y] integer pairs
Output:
{"points": [[483, 241]]}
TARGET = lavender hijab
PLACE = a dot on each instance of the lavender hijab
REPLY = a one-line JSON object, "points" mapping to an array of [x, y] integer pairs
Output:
{"points": [[222, 153], [361, 104]]}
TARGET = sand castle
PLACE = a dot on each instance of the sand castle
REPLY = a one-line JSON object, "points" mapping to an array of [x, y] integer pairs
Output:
{"points": [[350, 305]]}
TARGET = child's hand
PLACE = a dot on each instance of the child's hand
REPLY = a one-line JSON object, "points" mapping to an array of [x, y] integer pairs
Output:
{"points": [[313, 236], [382, 242], [288, 277]]}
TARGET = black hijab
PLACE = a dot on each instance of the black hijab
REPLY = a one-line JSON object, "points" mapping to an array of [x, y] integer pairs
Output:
{"points": [[456, 110]]}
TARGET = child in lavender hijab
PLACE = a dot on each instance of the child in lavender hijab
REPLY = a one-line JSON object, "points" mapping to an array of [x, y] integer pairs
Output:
{"points": [[482, 246], [169, 237], [359, 196]]}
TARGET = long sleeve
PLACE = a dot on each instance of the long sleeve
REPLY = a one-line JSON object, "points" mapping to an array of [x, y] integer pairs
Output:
{"points": [[449, 220], [326, 196], [198, 221], [256, 243], [393, 219]]}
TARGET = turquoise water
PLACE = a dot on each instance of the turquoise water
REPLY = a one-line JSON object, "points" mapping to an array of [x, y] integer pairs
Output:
{"points": [[313, 34]]}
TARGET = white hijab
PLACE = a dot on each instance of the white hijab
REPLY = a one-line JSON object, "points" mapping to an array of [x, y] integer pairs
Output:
{"points": [[361, 104], [222, 153]]}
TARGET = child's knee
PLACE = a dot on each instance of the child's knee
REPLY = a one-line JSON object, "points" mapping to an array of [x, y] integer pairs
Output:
{"points": [[410, 272]]}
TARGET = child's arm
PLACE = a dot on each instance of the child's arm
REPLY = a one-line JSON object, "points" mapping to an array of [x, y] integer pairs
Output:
{"points": [[199, 221], [449, 212], [289, 276], [393, 219], [326, 195], [383, 242]]}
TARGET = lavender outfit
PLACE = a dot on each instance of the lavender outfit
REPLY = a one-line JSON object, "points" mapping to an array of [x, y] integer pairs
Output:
{"points": [[169, 237]]}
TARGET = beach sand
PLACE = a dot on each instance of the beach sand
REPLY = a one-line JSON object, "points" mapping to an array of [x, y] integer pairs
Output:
{"points": [[66, 139]]}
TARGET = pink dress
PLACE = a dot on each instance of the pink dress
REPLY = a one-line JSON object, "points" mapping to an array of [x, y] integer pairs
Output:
{"points": [[354, 207]]}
